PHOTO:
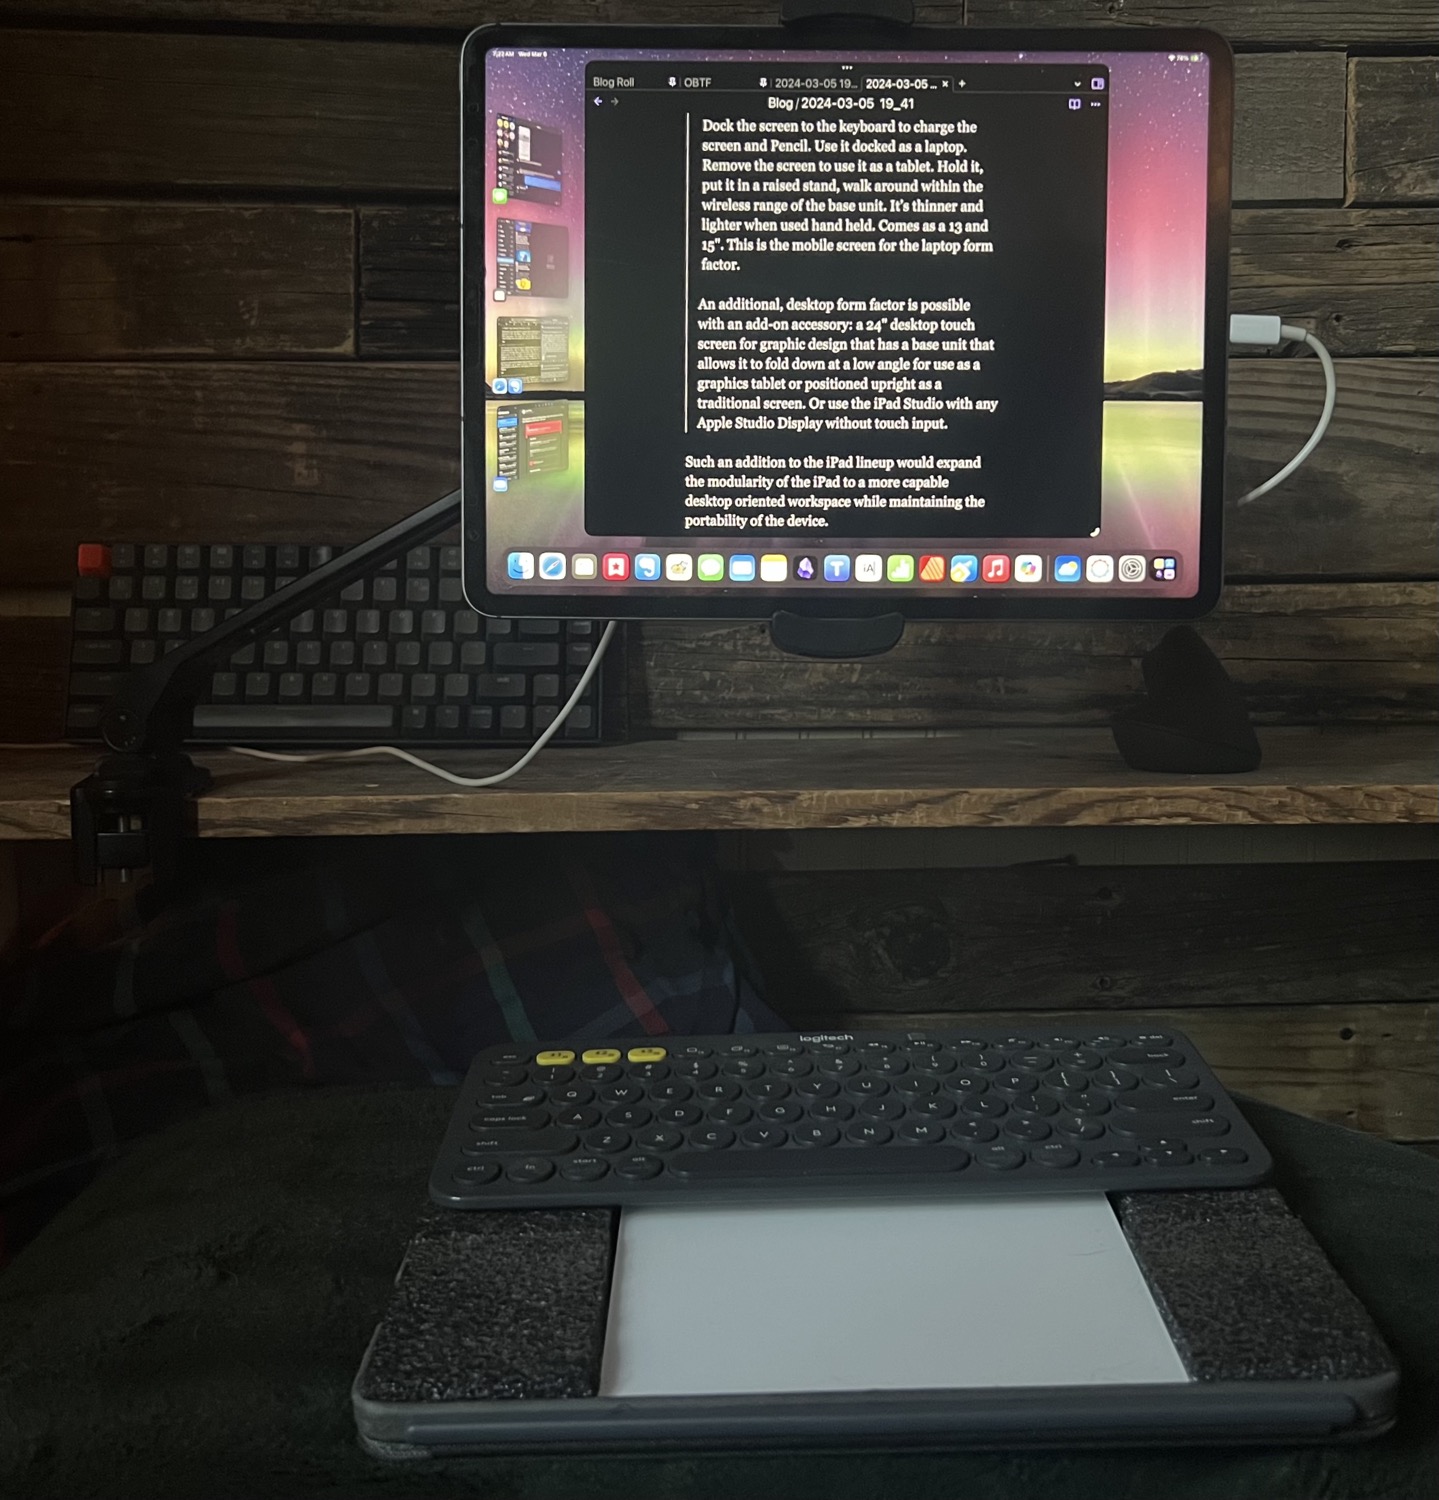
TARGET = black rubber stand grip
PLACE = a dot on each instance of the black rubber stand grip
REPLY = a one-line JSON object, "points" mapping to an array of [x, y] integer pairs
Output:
{"points": [[1191, 718]]}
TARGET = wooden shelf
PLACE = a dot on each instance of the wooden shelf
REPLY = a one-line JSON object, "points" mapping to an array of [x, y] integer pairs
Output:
{"points": [[983, 778]]}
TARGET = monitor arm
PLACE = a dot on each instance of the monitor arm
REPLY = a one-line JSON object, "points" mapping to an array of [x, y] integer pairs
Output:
{"points": [[132, 811]]}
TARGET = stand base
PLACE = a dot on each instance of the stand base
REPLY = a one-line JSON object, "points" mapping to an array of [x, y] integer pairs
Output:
{"points": [[1192, 718], [835, 640]]}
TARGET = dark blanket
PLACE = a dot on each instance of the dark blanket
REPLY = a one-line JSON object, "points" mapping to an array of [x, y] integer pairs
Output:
{"points": [[190, 1325]]}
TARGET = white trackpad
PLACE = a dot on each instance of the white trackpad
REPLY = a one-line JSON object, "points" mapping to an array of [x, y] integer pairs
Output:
{"points": [[879, 1296]]}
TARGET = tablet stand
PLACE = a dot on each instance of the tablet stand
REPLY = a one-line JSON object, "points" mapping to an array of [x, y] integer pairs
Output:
{"points": [[886, 12], [132, 811]]}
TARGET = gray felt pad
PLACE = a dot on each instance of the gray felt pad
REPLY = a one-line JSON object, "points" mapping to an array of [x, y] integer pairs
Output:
{"points": [[1245, 1291], [496, 1306]]}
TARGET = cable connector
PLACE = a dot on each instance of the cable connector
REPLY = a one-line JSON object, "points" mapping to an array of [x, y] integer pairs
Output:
{"points": [[1263, 329], [1266, 330]]}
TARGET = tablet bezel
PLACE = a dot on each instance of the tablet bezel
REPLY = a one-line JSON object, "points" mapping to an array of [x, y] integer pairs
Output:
{"points": [[753, 602]]}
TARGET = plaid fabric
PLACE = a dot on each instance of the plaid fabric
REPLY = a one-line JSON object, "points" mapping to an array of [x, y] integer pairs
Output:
{"points": [[297, 963]]}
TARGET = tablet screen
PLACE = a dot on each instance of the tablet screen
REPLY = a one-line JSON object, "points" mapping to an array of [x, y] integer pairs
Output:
{"points": [[928, 330]]}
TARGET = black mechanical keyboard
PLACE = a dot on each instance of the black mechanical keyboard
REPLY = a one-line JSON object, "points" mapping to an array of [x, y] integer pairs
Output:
{"points": [[763, 1117], [396, 658]]}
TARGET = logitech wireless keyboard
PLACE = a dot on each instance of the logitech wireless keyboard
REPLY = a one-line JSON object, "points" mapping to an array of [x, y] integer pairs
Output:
{"points": [[937, 1113]]}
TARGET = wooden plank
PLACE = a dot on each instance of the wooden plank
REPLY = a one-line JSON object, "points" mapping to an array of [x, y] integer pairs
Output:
{"points": [[116, 281], [1289, 127], [409, 283], [1371, 1067], [381, 119], [457, 16], [1321, 23], [1393, 152], [300, 450], [1314, 23], [258, 452], [228, 112], [1051, 936], [1301, 653], [1366, 503], [1304, 653], [978, 778], [1365, 280]]}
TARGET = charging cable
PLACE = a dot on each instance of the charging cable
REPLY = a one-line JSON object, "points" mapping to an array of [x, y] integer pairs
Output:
{"points": [[547, 734], [1267, 331]]}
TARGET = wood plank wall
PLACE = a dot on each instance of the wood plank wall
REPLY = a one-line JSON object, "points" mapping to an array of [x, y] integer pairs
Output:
{"points": [[227, 309]]}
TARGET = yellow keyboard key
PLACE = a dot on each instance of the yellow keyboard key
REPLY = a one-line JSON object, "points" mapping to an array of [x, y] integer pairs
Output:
{"points": [[556, 1059], [646, 1054], [601, 1055]]}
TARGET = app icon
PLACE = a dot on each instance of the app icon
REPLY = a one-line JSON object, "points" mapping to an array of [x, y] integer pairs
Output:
{"points": [[836, 568], [500, 386], [931, 568], [774, 567], [996, 568], [963, 568], [1068, 568], [502, 483], [741, 568], [552, 565], [804, 568], [900, 568], [1099, 568], [499, 195], [1132, 568], [1029, 568], [868, 568], [1164, 569], [520, 565], [710, 567], [615, 566], [584, 565], [516, 385], [647, 567], [679, 567]]}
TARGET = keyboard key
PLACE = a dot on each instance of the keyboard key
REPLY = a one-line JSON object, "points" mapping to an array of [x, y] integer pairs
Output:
{"points": [[530, 1169], [99, 653], [999, 1156], [584, 1168], [1114, 1160], [1222, 1156], [1055, 1154], [1146, 1101], [303, 719], [730, 1166], [639, 1167], [526, 654], [500, 685], [95, 621]]}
